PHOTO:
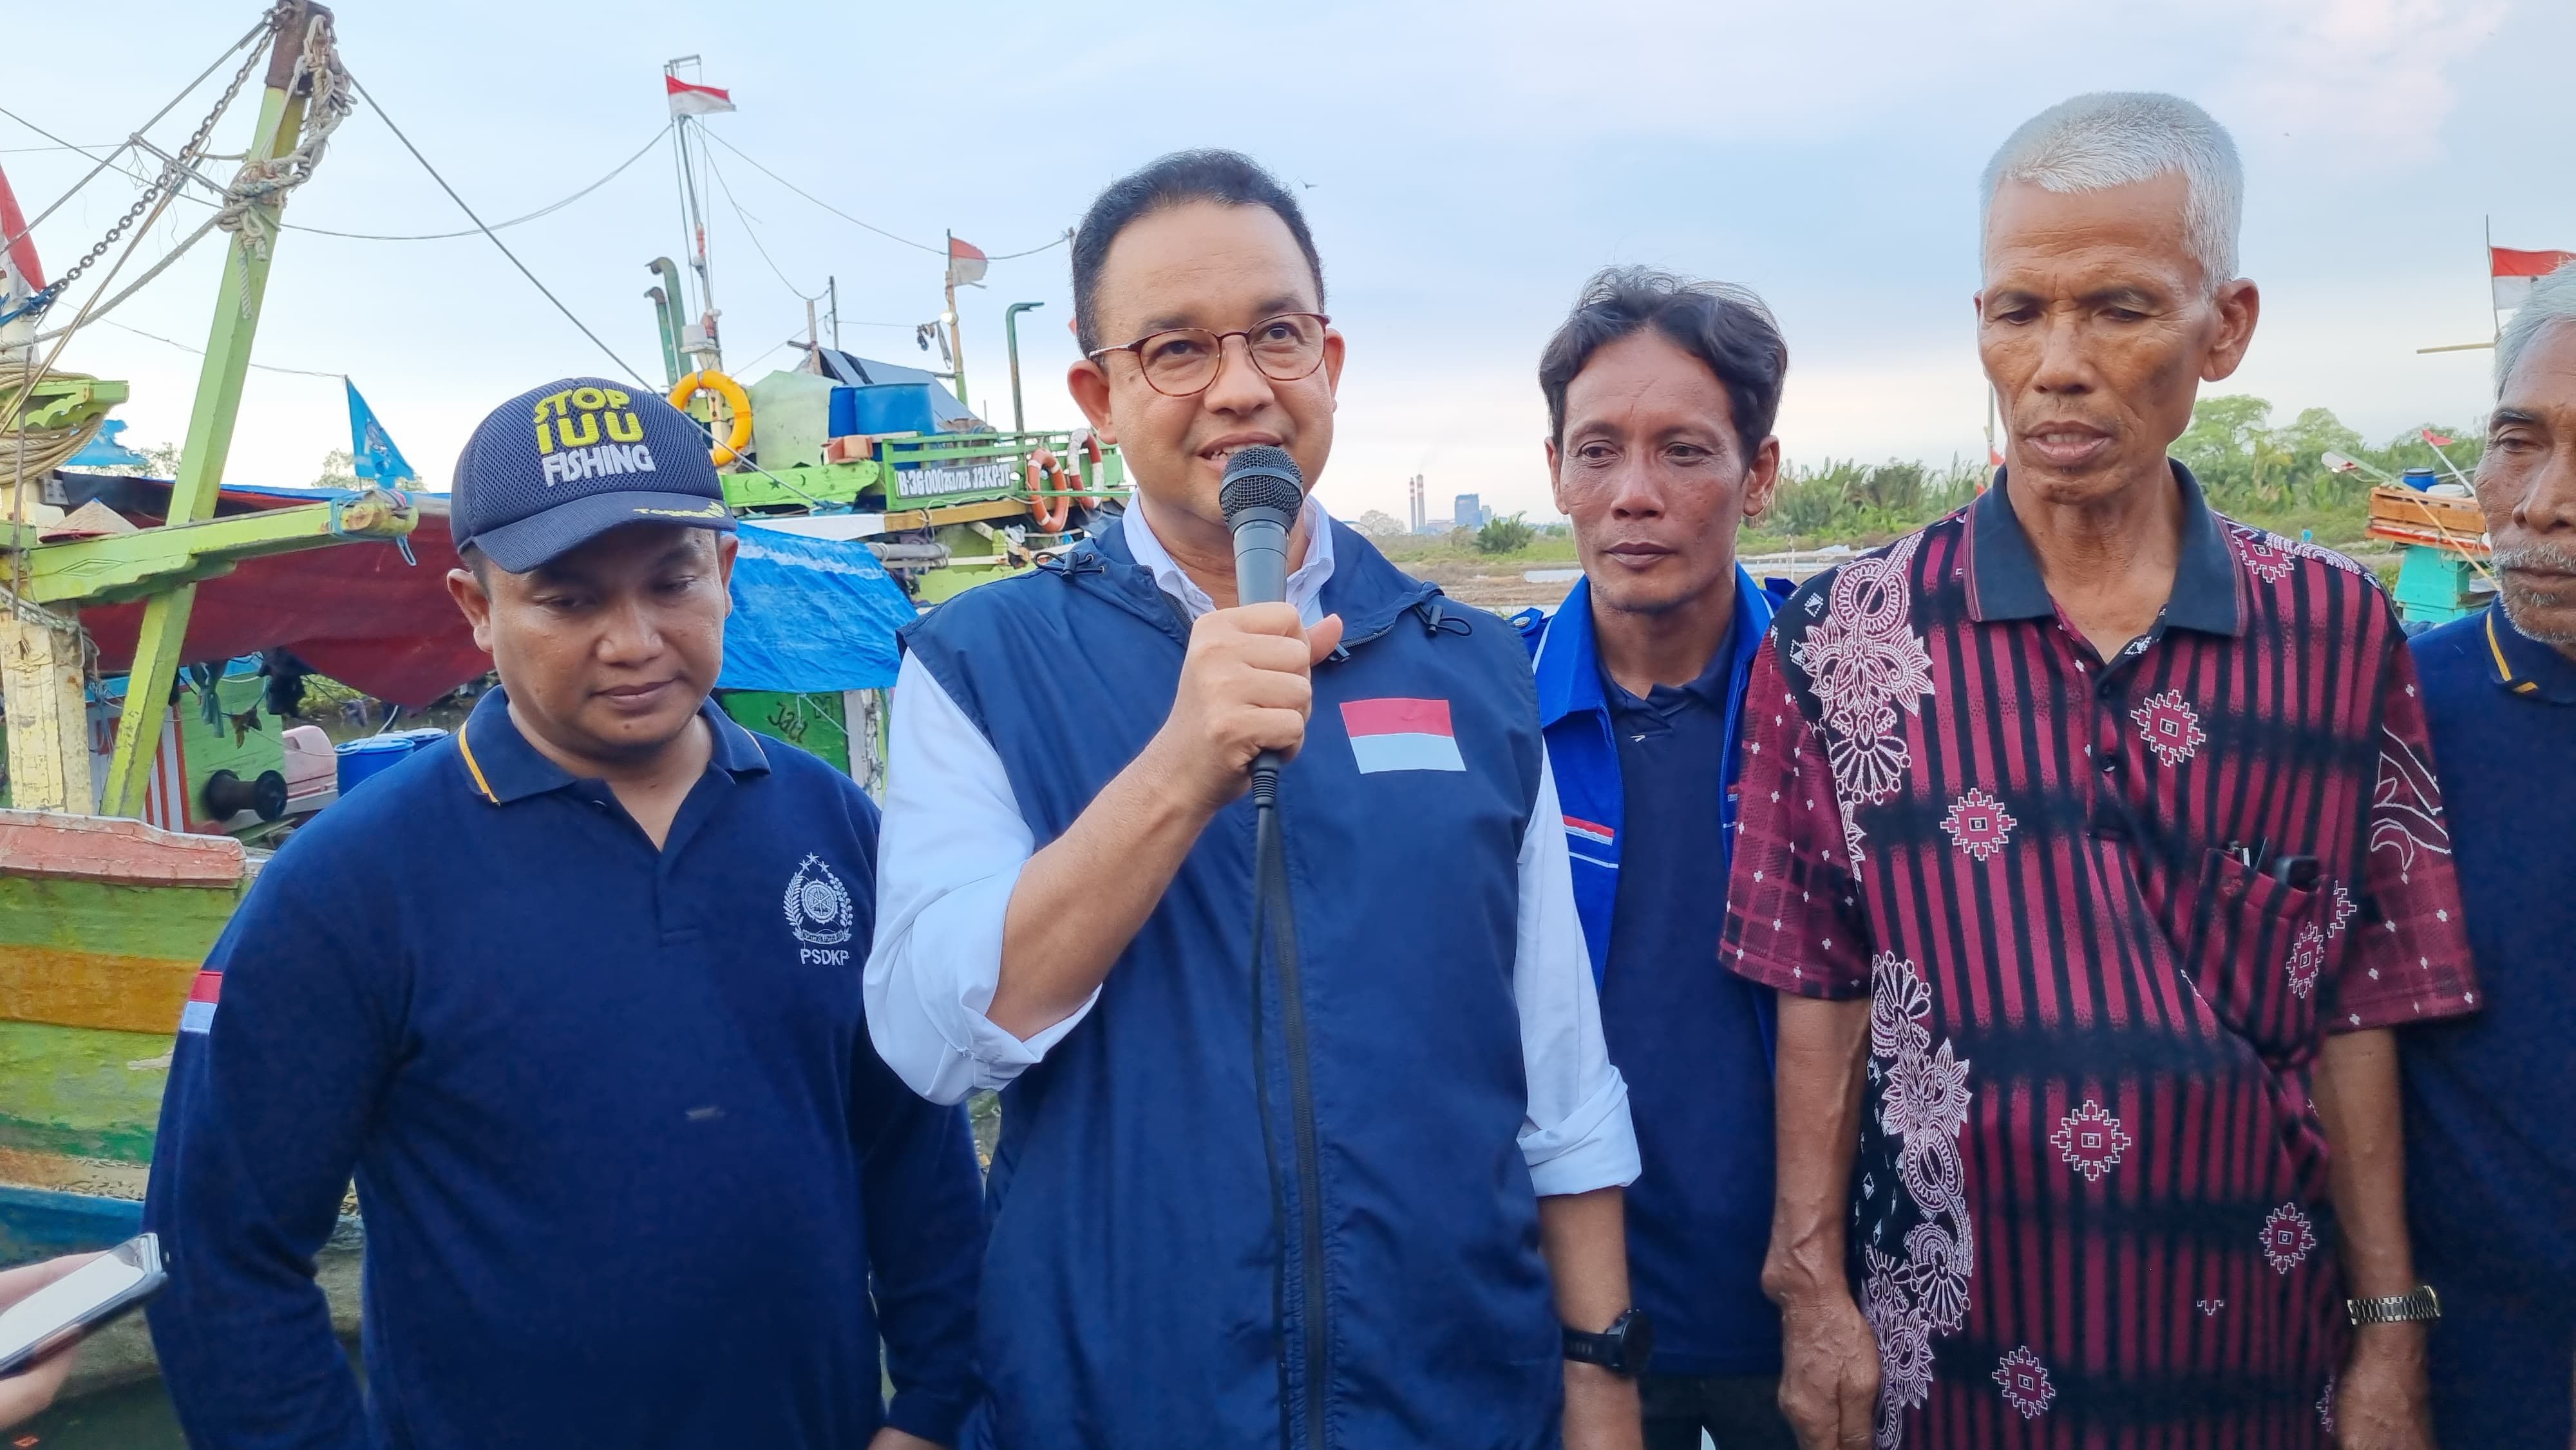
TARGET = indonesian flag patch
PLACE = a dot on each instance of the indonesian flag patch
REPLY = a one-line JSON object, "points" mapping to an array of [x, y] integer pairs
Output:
{"points": [[1401, 735], [199, 1014]]}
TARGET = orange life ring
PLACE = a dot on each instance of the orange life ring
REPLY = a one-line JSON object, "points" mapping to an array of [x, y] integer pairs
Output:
{"points": [[1046, 480]]}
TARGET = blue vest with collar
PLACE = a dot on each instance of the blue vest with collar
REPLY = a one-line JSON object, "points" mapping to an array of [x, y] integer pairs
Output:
{"points": [[1584, 749], [1139, 1291]]}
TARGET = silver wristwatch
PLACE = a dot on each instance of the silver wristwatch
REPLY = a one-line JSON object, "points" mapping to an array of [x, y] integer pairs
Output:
{"points": [[2422, 1304]]}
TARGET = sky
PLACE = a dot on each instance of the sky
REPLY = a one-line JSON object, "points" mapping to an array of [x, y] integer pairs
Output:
{"points": [[1464, 170]]}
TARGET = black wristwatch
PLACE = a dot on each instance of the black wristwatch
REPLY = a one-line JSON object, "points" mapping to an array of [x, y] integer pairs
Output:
{"points": [[1621, 1349]]}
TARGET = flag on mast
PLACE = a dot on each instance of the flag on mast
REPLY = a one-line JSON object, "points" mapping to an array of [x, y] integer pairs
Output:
{"points": [[966, 263], [372, 453], [689, 100], [2513, 272]]}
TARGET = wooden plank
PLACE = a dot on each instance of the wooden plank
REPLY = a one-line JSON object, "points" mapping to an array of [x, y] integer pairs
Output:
{"points": [[79, 1093], [81, 988], [48, 722], [57, 846]]}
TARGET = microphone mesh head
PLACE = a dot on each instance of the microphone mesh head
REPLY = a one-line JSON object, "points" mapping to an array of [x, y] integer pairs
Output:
{"points": [[1261, 477]]}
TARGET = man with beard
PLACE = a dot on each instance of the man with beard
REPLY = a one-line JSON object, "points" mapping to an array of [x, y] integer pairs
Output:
{"points": [[2490, 1148]]}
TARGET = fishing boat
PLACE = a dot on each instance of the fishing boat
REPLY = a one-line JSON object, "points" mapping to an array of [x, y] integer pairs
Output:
{"points": [[115, 873]]}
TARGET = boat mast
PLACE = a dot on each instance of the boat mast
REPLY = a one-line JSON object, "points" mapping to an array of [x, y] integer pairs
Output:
{"points": [[699, 341]]}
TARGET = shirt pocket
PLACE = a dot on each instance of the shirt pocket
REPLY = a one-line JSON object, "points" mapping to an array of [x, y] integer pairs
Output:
{"points": [[2256, 951]]}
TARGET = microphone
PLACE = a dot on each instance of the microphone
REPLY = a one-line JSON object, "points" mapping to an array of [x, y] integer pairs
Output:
{"points": [[1261, 495]]}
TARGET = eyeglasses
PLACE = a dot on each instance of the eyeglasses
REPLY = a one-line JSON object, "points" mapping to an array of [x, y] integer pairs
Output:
{"points": [[1182, 361]]}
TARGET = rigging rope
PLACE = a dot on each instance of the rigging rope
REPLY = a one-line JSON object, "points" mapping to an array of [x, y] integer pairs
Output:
{"points": [[744, 217], [268, 23], [201, 352], [379, 109]]}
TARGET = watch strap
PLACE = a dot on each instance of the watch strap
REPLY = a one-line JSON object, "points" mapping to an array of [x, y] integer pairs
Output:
{"points": [[2415, 1306]]}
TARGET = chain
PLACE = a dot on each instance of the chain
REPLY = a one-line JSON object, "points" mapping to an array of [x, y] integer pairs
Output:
{"points": [[172, 171]]}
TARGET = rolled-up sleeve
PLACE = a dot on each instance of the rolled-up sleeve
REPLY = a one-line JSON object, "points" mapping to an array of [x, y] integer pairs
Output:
{"points": [[953, 845], [1577, 1137]]}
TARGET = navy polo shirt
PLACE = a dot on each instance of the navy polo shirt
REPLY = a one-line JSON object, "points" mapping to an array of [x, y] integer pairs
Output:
{"points": [[629, 1170], [2490, 1144], [1689, 1039]]}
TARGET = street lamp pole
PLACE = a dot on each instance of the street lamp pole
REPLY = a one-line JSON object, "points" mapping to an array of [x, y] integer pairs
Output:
{"points": [[1011, 331]]}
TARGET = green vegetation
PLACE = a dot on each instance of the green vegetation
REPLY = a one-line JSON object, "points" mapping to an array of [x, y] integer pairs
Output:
{"points": [[1507, 534]]}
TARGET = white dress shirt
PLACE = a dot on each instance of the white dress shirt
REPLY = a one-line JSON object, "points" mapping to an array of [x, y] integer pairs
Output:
{"points": [[954, 841]]}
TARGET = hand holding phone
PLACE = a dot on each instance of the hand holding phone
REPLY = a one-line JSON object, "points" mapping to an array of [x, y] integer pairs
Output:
{"points": [[49, 1306], [29, 1392]]}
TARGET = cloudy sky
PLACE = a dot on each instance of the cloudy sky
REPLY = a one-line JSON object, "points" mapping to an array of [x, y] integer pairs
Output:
{"points": [[1465, 168]]}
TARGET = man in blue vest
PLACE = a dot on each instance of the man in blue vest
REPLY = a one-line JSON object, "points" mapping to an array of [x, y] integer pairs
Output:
{"points": [[1660, 398], [1361, 1188]]}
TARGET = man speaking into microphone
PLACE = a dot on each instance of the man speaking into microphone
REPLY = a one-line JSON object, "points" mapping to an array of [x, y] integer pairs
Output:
{"points": [[1357, 1186]]}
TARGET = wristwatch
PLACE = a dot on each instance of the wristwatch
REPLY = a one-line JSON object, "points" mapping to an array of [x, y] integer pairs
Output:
{"points": [[1622, 1349], [2396, 1308]]}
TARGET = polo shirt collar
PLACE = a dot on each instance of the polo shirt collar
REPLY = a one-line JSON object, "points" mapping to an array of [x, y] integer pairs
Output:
{"points": [[2004, 580], [501, 766], [1569, 661], [2524, 665]]}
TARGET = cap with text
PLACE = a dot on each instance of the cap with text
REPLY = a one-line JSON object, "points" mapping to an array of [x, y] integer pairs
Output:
{"points": [[557, 466]]}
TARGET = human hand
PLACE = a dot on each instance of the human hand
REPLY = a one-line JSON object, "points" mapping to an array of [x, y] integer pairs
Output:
{"points": [[1828, 1373], [1247, 686], [1601, 1410], [2381, 1401], [891, 1438], [25, 1394]]}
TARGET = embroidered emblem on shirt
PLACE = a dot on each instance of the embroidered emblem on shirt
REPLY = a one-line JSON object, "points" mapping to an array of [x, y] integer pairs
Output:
{"points": [[2287, 1238], [1978, 824], [2171, 727], [1923, 1104], [2090, 1141], [817, 905], [2209, 1307], [2025, 1382], [2307, 959], [1865, 660], [2406, 806], [2271, 564], [2344, 908]]}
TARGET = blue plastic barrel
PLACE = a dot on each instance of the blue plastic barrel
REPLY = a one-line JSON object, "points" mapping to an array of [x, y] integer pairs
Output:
{"points": [[362, 760], [881, 408], [2420, 479]]}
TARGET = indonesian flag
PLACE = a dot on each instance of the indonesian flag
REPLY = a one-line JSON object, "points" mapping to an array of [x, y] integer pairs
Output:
{"points": [[2436, 439], [1401, 735], [2514, 272], [966, 263], [689, 100], [203, 993]]}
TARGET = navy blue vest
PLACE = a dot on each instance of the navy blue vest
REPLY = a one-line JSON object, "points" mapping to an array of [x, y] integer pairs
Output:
{"points": [[1139, 1291]]}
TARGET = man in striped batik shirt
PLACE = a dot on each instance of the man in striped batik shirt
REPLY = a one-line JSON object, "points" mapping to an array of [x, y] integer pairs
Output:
{"points": [[2092, 844]]}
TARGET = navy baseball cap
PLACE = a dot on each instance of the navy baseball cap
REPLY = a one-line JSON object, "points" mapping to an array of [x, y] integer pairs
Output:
{"points": [[557, 466]]}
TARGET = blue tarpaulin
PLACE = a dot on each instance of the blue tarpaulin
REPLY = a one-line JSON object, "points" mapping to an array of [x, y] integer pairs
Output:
{"points": [[810, 615]]}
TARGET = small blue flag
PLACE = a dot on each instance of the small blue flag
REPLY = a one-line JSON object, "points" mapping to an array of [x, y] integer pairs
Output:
{"points": [[375, 458]]}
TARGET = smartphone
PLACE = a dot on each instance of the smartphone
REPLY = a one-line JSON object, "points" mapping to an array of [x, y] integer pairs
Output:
{"points": [[56, 1316]]}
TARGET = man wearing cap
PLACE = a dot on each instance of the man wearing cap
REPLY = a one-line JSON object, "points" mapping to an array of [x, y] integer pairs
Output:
{"points": [[575, 996]]}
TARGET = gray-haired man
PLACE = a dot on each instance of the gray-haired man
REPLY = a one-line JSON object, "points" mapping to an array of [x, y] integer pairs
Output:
{"points": [[2067, 845]]}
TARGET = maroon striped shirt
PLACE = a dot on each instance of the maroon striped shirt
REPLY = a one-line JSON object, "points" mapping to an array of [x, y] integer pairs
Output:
{"points": [[2089, 1207]]}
